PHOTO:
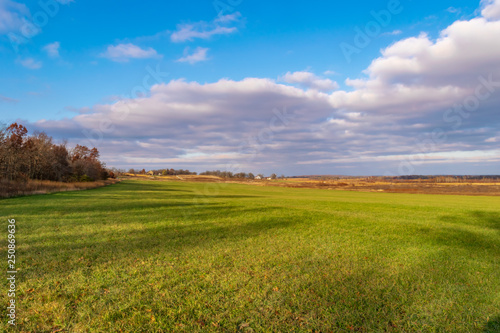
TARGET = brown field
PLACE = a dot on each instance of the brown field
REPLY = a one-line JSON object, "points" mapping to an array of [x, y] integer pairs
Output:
{"points": [[401, 186], [364, 184]]}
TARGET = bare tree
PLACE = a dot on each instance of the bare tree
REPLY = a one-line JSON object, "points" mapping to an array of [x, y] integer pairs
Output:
{"points": [[85, 163], [24, 157], [13, 145]]}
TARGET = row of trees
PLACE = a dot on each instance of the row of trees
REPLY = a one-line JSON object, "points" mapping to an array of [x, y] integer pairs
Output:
{"points": [[240, 175], [163, 172], [228, 174], [36, 156], [443, 178], [218, 173]]}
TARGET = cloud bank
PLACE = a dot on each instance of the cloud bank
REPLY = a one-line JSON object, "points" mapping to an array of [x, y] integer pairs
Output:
{"points": [[422, 105], [309, 80]]}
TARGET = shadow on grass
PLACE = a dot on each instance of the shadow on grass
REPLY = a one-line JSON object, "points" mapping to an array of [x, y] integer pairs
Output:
{"points": [[70, 200], [346, 294], [106, 209], [375, 297], [371, 297], [489, 220], [155, 236], [466, 239], [129, 198], [134, 187], [136, 190], [492, 326]]}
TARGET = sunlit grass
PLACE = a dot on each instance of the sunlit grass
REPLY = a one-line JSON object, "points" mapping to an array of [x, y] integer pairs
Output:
{"points": [[145, 256]]}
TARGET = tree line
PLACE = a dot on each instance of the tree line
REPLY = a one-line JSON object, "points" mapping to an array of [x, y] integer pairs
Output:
{"points": [[229, 174], [218, 173], [163, 172], [240, 175], [36, 156]]}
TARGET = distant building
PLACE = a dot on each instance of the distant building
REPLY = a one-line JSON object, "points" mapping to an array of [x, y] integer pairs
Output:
{"points": [[258, 177]]}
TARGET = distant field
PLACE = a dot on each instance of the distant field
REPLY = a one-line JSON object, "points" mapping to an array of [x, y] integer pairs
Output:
{"points": [[173, 256], [482, 187]]}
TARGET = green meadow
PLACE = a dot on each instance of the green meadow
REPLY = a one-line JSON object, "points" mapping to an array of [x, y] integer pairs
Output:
{"points": [[151, 256]]}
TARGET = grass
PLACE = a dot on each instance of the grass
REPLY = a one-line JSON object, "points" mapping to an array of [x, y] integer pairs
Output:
{"points": [[145, 256]]}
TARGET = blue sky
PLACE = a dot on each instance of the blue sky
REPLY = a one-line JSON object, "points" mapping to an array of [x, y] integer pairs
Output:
{"points": [[83, 73]]}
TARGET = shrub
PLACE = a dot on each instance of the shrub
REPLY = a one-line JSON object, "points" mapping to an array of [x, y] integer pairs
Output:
{"points": [[86, 178]]}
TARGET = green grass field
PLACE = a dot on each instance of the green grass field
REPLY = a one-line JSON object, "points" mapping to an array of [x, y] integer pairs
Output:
{"points": [[145, 256]]}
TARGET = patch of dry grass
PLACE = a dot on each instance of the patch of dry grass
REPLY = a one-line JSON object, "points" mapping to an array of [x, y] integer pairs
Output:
{"points": [[13, 188]]}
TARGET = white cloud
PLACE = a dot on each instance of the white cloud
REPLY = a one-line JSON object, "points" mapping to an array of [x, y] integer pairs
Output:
{"points": [[213, 118], [30, 63], [16, 18], [393, 33], [205, 30], [426, 158], [419, 74], [52, 49], [491, 9], [8, 99], [208, 125], [200, 54], [395, 105], [125, 52], [228, 18], [187, 32], [454, 10], [309, 80], [13, 16]]}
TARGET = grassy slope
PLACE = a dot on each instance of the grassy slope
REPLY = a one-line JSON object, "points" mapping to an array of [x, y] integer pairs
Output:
{"points": [[147, 256]]}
